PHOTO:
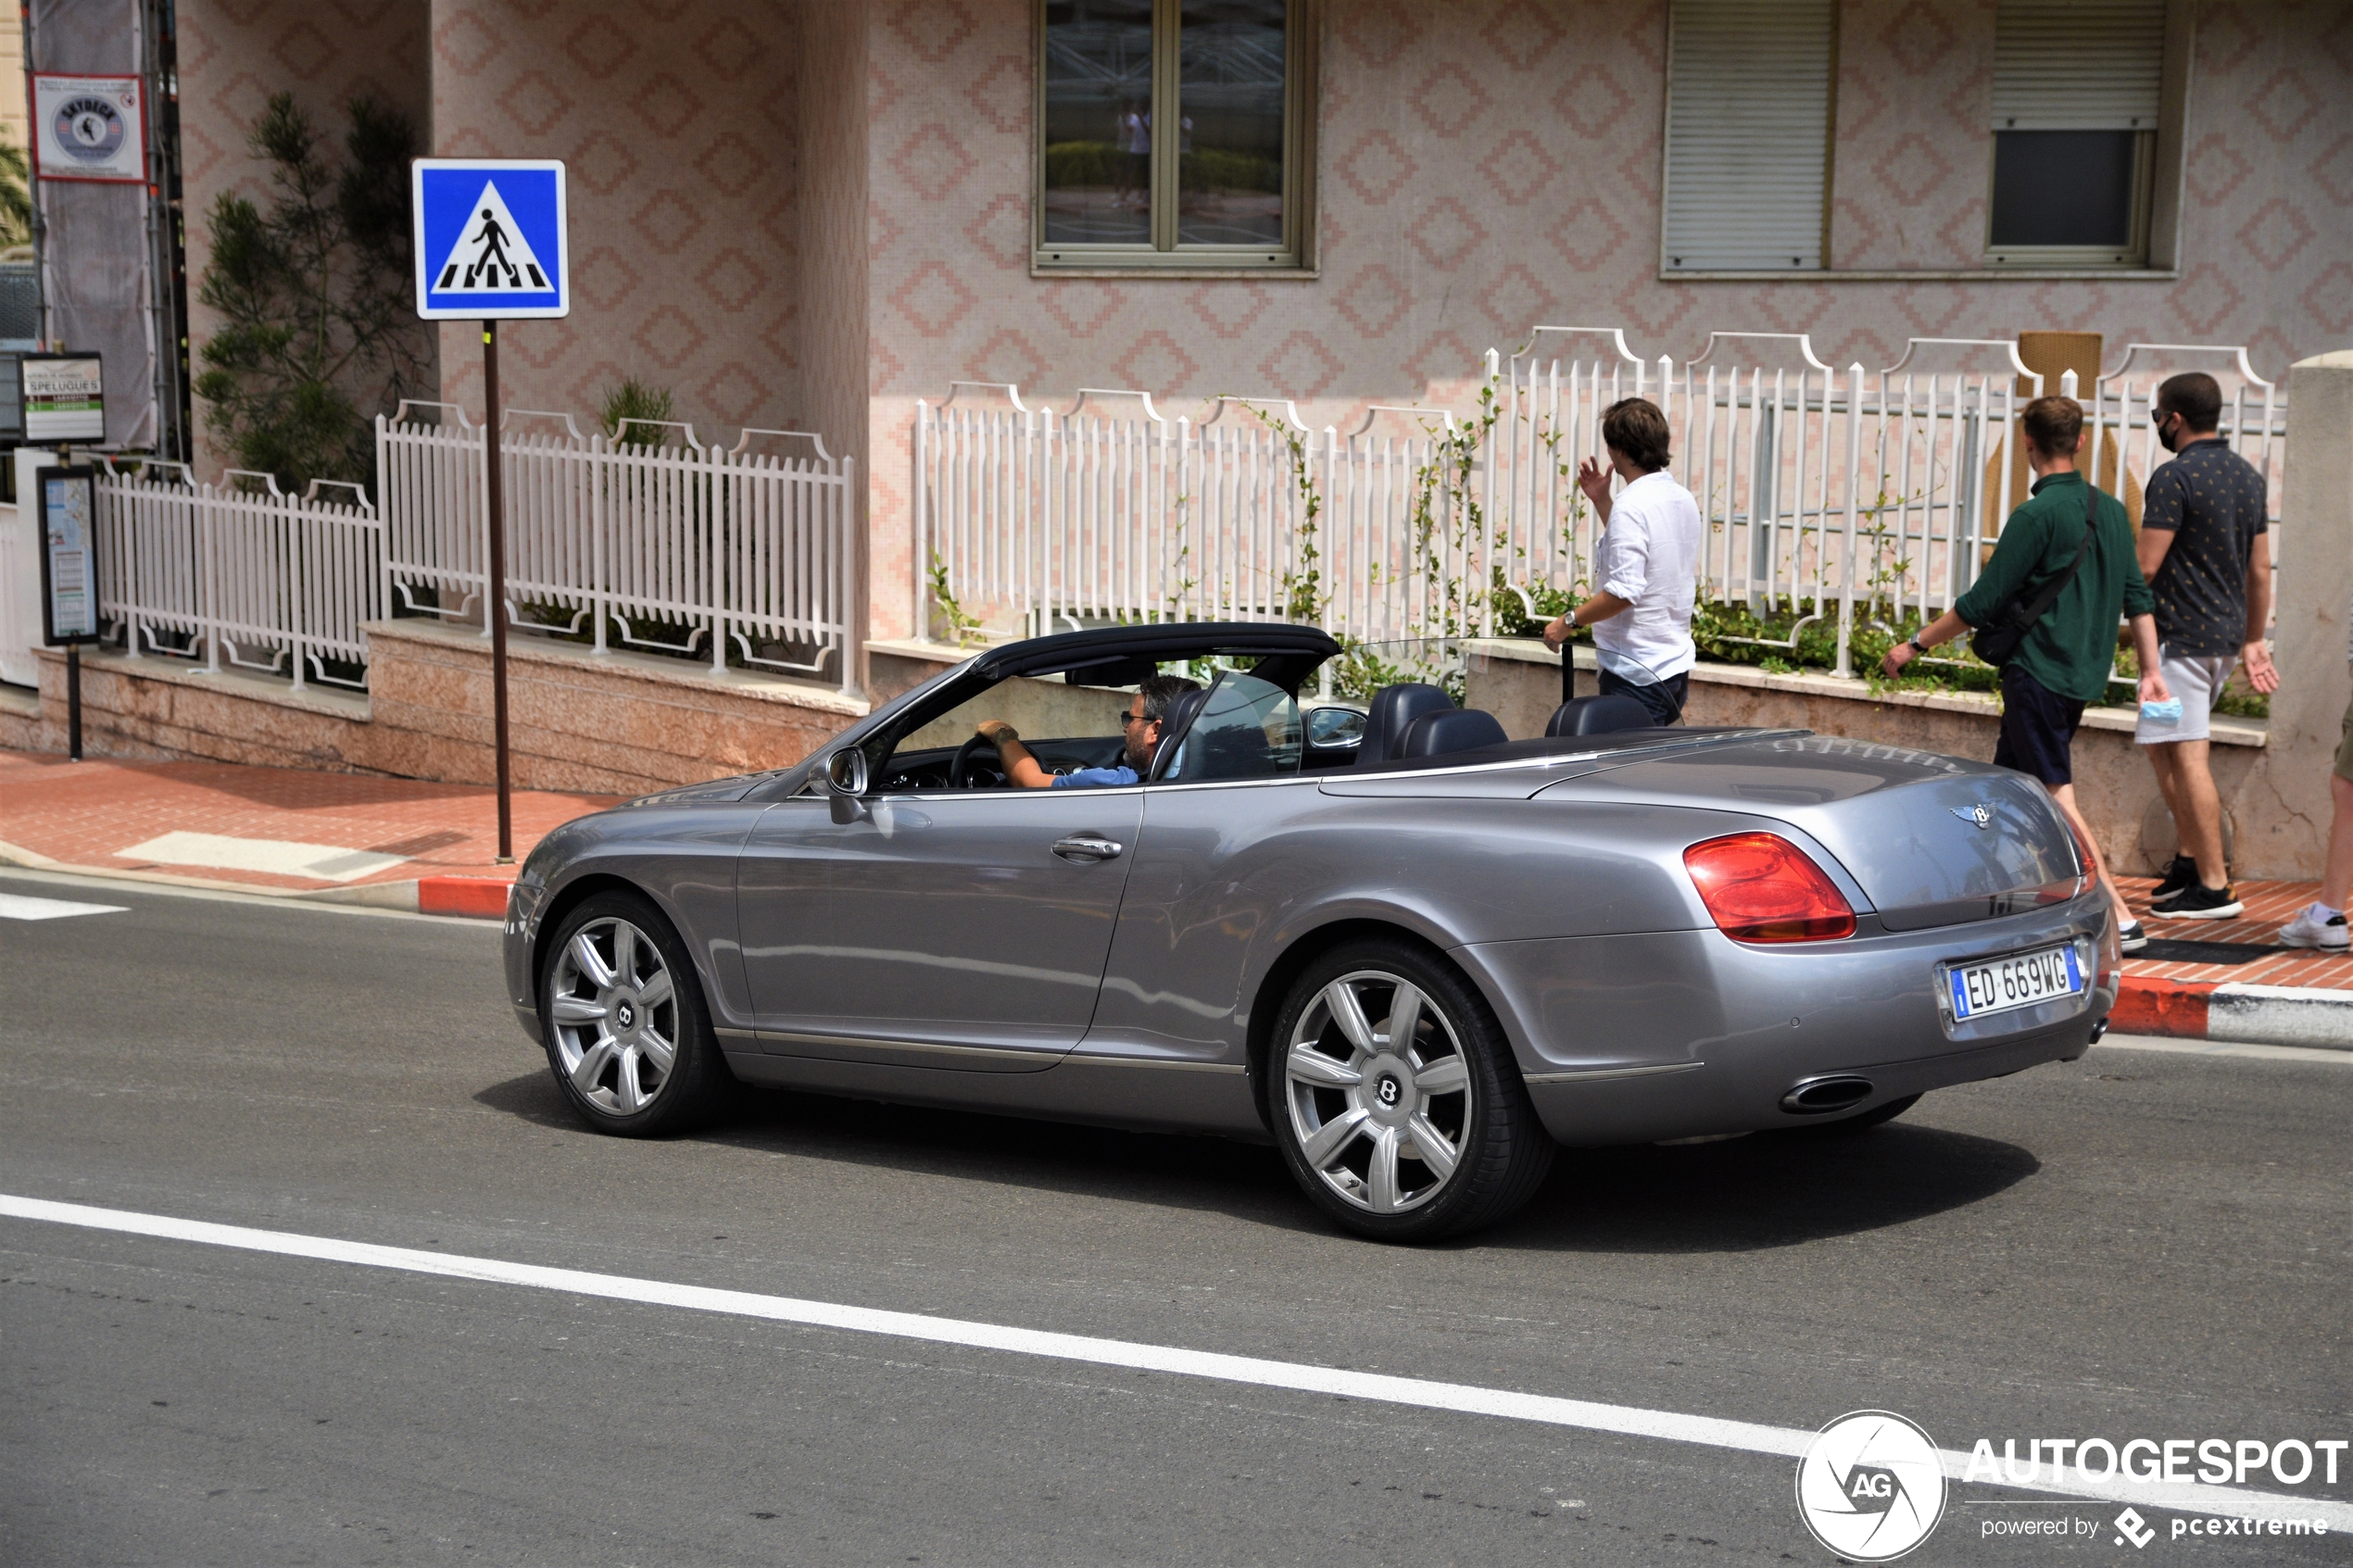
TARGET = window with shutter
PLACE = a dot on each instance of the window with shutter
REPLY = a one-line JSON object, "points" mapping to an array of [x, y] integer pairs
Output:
{"points": [[1748, 127], [2078, 92]]}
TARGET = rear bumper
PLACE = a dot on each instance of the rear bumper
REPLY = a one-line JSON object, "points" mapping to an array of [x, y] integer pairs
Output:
{"points": [[1673, 1034]]}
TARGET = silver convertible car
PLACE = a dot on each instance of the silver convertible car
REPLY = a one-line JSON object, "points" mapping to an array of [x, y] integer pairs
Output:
{"points": [[1415, 953]]}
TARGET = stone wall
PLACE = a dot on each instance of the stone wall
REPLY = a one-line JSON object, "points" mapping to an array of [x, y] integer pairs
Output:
{"points": [[617, 723]]}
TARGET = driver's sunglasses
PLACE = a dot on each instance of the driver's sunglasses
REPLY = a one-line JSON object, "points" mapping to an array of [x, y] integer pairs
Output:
{"points": [[1128, 718]]}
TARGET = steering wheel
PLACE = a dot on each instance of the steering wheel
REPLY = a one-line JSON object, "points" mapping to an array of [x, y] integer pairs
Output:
{"points": [[960, 772]]}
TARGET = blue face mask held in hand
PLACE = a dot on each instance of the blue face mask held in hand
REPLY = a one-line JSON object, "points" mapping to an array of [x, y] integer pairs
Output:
{"points": [[2166, 712]]}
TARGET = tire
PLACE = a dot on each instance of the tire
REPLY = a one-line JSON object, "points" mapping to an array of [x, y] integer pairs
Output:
{"points": [[628, 1035], [1352, 1116], [1865, 1123]]}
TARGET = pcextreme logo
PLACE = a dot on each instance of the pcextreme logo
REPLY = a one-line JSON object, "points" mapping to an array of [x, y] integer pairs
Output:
{"points": [[1869, 1487]]}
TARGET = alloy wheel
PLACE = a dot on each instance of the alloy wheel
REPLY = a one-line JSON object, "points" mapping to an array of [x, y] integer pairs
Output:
{"points": [[1378, 1092], [614, 1007]]}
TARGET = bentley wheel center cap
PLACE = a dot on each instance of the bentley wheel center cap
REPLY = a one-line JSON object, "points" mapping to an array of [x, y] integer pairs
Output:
{"points": [[625, 1015]]}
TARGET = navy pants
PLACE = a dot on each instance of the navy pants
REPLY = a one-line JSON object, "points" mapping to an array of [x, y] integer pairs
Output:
{"points": [[1664, 700]]}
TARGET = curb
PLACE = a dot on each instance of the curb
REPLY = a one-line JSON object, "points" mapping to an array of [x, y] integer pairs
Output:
{"points": [[2235, 1013], [470, 898]]}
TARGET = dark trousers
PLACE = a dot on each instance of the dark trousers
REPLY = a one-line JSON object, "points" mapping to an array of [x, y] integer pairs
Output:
{"points": [[1664, 700]]}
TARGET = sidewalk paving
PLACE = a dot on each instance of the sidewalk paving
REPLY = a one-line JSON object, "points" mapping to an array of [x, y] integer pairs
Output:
{"points": [[271, 830], [280, 830]]}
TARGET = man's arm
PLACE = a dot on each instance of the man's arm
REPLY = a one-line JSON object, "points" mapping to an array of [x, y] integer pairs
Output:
{"points": [[2160, 516], [2016, 555], [1014, 758], [1601, 607], [2257, 655], [2153, 686]]}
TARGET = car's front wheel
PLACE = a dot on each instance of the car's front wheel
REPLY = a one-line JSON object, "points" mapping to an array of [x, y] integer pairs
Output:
{"points": [[628, 1038], [1397, 1104]]}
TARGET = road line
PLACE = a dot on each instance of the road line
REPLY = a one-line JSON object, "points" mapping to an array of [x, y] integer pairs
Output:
{"points": [[20, 906], [1463, 1398], [2321, 1057]]}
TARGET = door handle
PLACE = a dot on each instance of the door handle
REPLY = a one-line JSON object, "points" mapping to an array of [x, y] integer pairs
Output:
{"points": [[1088, 846]]}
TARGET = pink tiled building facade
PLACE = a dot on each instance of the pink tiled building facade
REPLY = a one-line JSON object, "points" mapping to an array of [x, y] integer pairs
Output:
{"points": [[808, 214]]}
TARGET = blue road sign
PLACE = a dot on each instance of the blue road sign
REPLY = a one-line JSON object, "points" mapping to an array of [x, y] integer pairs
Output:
{"points": [[491, 239]]}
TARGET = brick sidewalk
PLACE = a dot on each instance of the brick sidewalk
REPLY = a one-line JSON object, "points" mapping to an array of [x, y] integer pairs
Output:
{"points": [[2270, 904], [90, 813]]}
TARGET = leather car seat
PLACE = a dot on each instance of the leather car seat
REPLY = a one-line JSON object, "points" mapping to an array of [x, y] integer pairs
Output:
{"points": [[1455, 729], [1391, 712], [1598, 716]]}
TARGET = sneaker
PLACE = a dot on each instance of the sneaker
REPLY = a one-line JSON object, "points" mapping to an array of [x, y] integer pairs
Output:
{"points": [[2204, 903], [2316, 925], [2134, 937], [2180, 878]]}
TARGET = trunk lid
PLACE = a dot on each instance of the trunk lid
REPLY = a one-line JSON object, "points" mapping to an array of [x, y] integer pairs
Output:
{"points": [[1931, 840]]}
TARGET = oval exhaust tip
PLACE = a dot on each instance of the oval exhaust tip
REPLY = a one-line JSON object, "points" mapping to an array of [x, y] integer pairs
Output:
{"points": [[1819, 1096]]}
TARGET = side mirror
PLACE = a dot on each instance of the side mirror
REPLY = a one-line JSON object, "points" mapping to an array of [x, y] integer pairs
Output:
{"points": [[846, 783]]}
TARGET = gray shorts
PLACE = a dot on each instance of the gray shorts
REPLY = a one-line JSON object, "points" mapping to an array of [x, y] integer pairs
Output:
{"points": [[2197, 680]]}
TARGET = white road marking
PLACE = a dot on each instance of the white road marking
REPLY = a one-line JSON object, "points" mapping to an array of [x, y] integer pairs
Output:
{"points": [[2225, 1048], [16, 906], [1741, 1436], [280, 856]]}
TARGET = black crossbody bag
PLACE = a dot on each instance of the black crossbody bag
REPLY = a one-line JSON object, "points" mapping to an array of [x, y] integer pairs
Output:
{"points": [[1998, 639]]}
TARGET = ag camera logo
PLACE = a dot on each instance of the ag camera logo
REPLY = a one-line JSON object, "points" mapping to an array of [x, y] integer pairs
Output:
{"points": [[1871, 1486]]}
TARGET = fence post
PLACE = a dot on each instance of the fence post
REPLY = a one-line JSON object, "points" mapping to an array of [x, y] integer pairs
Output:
{"points": [[601, 479], [919, 623], [843, 573], [290, 521], [209, 618], [1854, 484]]}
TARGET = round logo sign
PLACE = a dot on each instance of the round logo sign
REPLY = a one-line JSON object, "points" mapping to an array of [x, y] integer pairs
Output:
{"points": [[1871, 1486], [91, 129]]}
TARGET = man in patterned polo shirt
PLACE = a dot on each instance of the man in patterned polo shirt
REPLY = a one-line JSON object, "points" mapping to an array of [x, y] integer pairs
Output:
{"points": [[2207, 559]]}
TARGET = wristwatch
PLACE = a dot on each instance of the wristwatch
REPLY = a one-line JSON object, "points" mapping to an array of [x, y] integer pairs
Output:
{"points": [[1914, 642]]}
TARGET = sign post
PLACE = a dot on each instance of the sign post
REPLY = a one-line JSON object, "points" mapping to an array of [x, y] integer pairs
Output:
{"points": [[69, 512], [492, 245]]}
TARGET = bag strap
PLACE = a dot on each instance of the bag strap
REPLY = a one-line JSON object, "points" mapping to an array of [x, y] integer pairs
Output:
{"points": [[2047, 595]]}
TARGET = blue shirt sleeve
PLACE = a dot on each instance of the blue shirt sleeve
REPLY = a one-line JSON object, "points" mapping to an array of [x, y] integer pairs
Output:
{"points": [[1095, 778]]}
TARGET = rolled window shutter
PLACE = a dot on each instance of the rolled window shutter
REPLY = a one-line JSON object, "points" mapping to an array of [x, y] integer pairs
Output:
{"points": [[2091, 65], [1747, 134]]}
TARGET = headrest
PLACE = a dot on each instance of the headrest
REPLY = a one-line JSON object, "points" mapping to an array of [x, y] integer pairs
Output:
{"points": [[1599, 716], [1458, 729], [1393, 709], [1181, 712]]}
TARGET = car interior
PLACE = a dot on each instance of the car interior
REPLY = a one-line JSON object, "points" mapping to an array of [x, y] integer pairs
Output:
{"points": [[1257, 717]]}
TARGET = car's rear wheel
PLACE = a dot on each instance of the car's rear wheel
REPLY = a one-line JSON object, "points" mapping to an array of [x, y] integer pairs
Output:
{"points": [[628, 1038], [1396, 1101]]}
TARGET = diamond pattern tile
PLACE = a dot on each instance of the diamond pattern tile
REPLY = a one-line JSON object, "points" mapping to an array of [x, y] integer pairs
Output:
{"points": [[1448, 100], [1518, 168], [1376, 167], [1374, 301], [933, 161]]}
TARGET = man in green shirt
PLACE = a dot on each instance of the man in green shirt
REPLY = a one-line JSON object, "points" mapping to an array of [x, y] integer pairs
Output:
{"points": [[2064, 661]]}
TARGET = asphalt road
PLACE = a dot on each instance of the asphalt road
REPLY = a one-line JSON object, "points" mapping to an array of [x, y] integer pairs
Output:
{"points": [[2140, 1244]]}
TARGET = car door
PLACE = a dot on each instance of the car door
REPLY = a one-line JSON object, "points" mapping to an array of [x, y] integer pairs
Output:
{"points": [[962, 929]]}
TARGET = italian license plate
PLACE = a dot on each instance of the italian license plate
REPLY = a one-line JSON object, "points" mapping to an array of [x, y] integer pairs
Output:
{"points": [[2018, 981]]}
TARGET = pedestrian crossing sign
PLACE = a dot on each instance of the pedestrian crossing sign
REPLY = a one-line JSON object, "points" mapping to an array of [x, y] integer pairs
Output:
{"points": [[490, 235]]}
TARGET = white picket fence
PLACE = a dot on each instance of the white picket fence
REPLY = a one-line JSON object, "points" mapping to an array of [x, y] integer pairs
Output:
{"points": [[1855, 497], [250, 578], [678, 548]]}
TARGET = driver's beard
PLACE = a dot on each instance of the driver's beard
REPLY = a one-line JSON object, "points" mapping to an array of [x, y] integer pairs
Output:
{"points": [[1137, 756]]}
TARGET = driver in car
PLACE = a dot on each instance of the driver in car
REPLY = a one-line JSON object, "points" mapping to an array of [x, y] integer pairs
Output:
{"points": [[1141, 724]]}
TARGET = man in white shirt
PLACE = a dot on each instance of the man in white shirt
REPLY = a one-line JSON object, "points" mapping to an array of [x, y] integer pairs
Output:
{"points": [[1647, 560]]}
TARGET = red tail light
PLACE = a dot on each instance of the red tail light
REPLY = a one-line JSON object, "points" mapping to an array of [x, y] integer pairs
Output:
{"points": [[2083, 857], [1760, 887]]}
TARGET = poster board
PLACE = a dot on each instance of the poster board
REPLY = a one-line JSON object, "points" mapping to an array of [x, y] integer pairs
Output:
{"points": [[63, 397], [89, 128], [68, 514]]}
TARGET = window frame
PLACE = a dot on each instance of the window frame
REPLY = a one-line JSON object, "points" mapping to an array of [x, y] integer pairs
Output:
{"points": [[1164, 257]]}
